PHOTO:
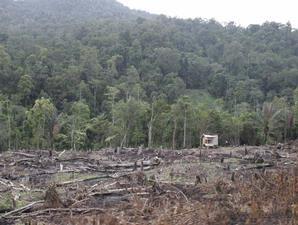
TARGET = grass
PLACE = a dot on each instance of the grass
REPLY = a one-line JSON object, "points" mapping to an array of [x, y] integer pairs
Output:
{"points": [[6, 202]]}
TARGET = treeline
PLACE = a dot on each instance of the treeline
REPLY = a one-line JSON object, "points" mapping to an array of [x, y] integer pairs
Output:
{"points": [[135, 122], [152, 81]]}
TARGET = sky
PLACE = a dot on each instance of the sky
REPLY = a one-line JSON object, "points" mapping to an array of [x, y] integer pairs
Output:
{"points": [[242, 12]]}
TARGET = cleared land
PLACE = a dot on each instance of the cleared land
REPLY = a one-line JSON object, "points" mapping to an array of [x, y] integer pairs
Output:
{"points": [[233, 185]]}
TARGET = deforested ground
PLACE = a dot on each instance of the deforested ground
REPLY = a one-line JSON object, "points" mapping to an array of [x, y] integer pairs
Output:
{"points": [[231, 185]]}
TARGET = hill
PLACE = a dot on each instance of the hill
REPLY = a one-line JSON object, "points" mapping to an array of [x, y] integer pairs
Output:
{"points": [[55, 12], [89, 74]]}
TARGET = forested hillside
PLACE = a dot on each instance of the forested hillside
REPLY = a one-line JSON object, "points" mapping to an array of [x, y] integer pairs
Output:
{"points": [[85, 74]]}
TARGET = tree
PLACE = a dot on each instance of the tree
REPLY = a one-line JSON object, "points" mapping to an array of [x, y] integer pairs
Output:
{"points": [[295, 111], [173, 86], [98, 132], [214, 122], [90, 68], [115, 66], [25, 87], [5, 123], [276, 120], [202, 122], [233, 57], [98, 88], [197, 70], [111, 94], [130, 84], [150, 123], [218, 85], [107, 71], [130, 122], [78, 121], [168, 60], [251, 132], [64, 88], [158, 107], [180, 114], [175, 113], [5, 70], [184, 105], [41, 119]]}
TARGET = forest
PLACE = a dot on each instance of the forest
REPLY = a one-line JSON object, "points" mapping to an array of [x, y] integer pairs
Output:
{"points": [[91, 74]]}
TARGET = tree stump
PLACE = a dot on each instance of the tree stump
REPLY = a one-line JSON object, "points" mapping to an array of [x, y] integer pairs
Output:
{"points": [[198, 180], [52, 199]]}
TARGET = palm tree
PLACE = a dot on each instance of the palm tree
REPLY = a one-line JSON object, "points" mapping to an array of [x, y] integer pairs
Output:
{"points": [[278, 120], [270, 118]]}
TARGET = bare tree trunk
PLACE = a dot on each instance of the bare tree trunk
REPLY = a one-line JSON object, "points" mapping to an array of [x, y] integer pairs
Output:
{"points": [[238, 135], [200, 136], [9, 130], [113, 116], [138, 94], [266, 131], [38, 137], [150, 135], [174, 135], [150, 126], [94, 99], [43, 130], [71, 138], [190, 140], [285, 127], [73, 144], [184, 130], [123, 142]]}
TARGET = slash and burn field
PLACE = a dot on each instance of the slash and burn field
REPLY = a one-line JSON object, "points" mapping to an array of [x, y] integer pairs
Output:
{"points": [[232, 185]]}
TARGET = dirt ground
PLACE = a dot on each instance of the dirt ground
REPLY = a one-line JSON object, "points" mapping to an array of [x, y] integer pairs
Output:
{"points": [[231, 185]]}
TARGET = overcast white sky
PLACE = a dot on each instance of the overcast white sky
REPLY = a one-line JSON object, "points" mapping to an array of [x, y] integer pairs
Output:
{"points": [[243, 12]]}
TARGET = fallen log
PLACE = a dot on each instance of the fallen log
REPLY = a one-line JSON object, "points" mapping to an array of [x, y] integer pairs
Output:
{"points": [[22, 209], [119, 191], [113, 167], [10, 185], [82, 180], [45, 173], [61, 153], [6, 182], [5, 210], [74, 159], [22, 161], [133, 165], [257, 166], [123, 169], [5, 190], [61, 210], [24, 154]]}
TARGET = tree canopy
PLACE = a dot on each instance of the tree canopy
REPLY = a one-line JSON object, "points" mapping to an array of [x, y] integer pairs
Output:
{"points": [[89, 74]]}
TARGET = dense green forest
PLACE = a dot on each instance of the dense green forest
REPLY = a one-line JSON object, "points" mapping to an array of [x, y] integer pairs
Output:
{"points": [[87, 74]]}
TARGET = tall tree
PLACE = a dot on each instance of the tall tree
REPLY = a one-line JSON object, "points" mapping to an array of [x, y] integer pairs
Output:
{"points": [[41, 119], [78, 120], [184, 106], [130, 121]]}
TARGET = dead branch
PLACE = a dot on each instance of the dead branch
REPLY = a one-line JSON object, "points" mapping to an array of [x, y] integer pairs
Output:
{"points": [[24, 154], [83, 180], [119, 191], [73, 210], [22, 209], [257, 166], [133, 165], [61, 153]]}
